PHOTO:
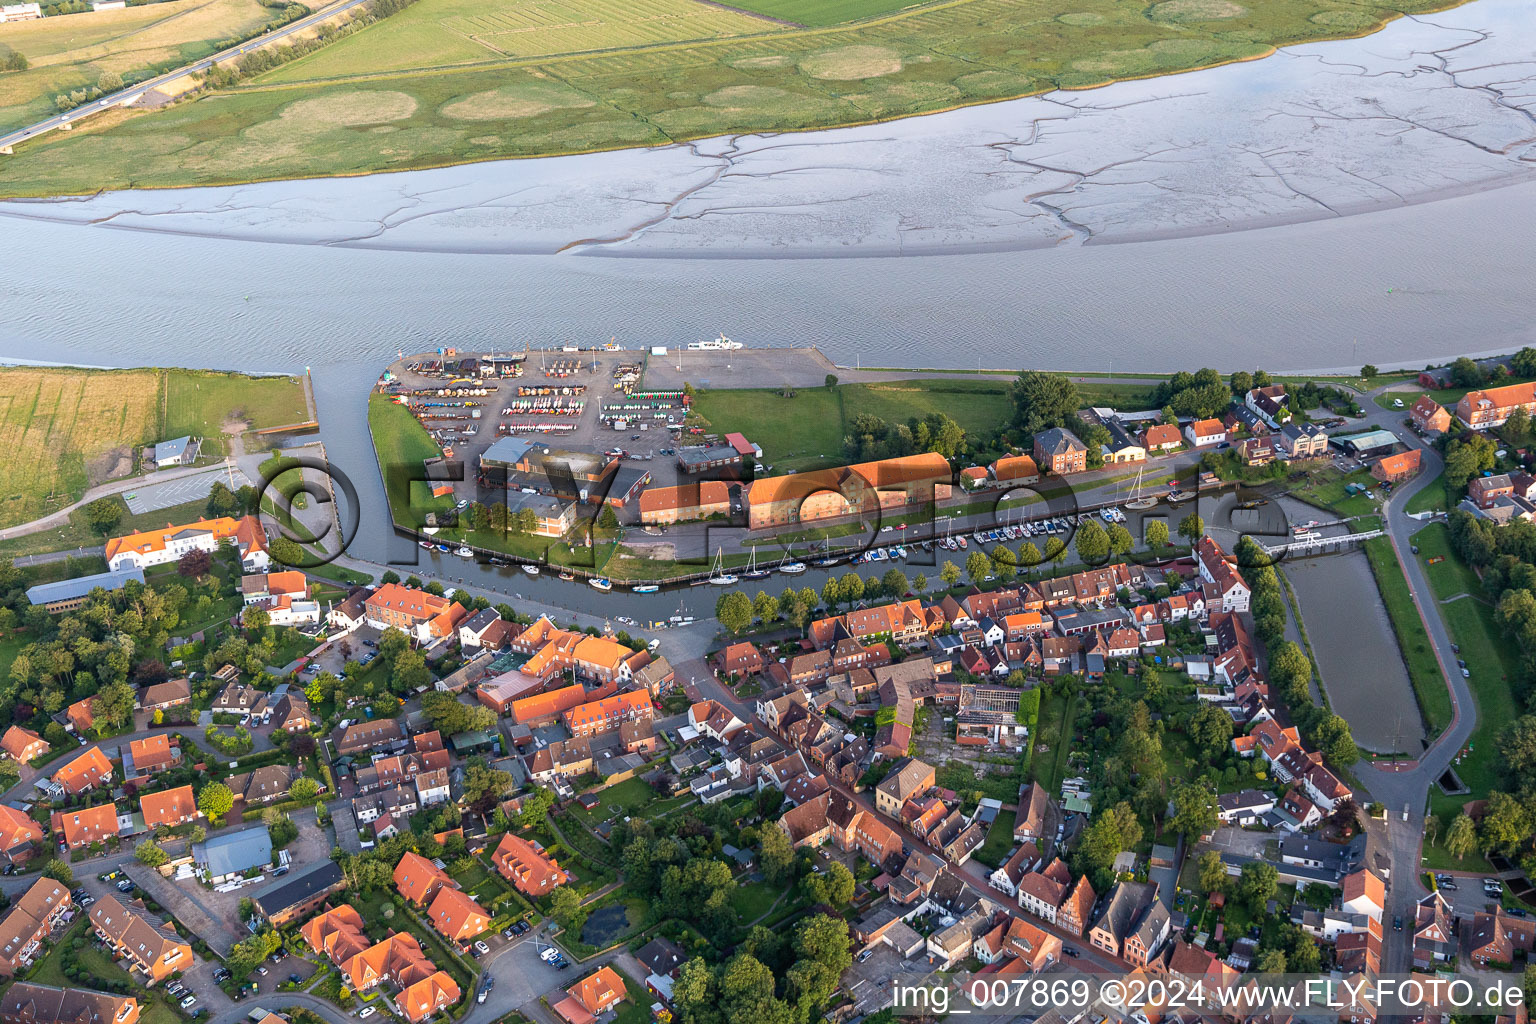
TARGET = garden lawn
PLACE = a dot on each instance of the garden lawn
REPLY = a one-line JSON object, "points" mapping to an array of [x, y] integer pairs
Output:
{"points": [[202, 404], [1433, 498], [803, 432], [1449, 576], [999, 840], [753, 900]]}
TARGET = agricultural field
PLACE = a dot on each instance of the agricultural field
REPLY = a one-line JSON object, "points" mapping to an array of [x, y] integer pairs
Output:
{"points": [[74, 51], [63, 430], [443, 82], [821, 13]]}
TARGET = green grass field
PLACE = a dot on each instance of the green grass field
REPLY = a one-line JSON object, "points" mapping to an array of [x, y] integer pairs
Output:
{"points": [[202, 404], [1449, 576], [64, 429], [999, 840], [444, 82], [823, 12], [74, 51]]}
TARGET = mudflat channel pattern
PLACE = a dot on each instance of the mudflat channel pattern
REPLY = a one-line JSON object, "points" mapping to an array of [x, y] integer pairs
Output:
{"points": [[1431, 106]]}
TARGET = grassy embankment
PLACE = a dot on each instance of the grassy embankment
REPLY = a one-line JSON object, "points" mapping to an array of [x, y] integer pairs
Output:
{"points": [[454, 81], [65, 429], [1492, 661]]}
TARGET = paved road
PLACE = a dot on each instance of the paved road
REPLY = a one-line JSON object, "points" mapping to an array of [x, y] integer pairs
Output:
{"points": [[1410, 788], [131, 483], [119, 97]]}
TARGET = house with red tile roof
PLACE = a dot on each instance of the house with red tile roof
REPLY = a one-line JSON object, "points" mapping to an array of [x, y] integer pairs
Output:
{"points": [[432, 994], [89, 770], [336, 932], [417, 613], [457, 916], [525, 864], [172, 807], [1162, 437], [739, 659], [81, 716], [150, 755], [20, 836], [609, 713], [546, 708], [418, 879], [23, 744], [159, 547], [599, 991], [80, 828]]}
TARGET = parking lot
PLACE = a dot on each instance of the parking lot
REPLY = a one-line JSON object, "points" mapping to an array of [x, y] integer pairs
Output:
{"points": [[1467, 896], [153, 496]]}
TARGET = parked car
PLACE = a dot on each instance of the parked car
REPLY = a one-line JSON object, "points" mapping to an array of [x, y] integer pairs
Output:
{"points": [[262, 971], [366, 1011], [865, 955], [519, 927], [1397, 924], [187, 1002], [481, 948], [295, 978]]}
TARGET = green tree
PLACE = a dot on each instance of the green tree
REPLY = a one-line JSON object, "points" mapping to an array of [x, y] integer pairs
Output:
{"points": [[765, 606], [977, 566], [1120, 540], [1506, 824], [851, 586], [1194, 810], [304, 788], [949, 572], [1029, 555], [830, 381], [1462, 837], [1055, 550], [1257, 884], [1241, 382], [1192, 527], [535, 808], [1211, 729], [1156, 532], [1042, 400], [895, 583], [104, 514], [60, 872], [215, 801], [150, 854], [1369, 371], [1092, 544], [1337, 744], [734, 610], [776, 857], [1213, 873], [565, 907]]}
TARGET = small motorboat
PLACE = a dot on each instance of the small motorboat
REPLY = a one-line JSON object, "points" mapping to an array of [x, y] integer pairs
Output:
{"points": [[444, 548], [426, 544], [531, 570], [792, 568], [500, 563], [567, 576], [465, 552], [644, 588], [600, 583]]}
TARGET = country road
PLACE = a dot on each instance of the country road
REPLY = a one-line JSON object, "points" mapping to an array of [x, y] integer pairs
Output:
{"points": [[69, 117]]}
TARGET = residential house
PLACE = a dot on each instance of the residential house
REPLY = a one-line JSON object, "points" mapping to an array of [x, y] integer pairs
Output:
{"points": [[1495, 938], [1231, 588], [909, 777], [89, 770], [1015, 470], [78, 829], [1132, 924], [474, 630], [1302, 441], [164, 696], [1362, 892], [1490, 407], [366, 736], [1122, 447], [1394, 469], [1035, 948], [739, 659], [1162, 437], [152, 946], [887, 486], [1033, 807], [1270, 403], [457, 916], [286, 900], [291, 714], [1430, 416], [26, 1003], [61, 596], [1434, 935], [1204, 433], [1043, 891], [525, 864], [433, 994], [23, 744], [263, 785], [426, 617], [609, 713], [150, 755], [1060, 451], [418, 879], [171, 808], [29, 923], [20, 836], [1482, 490]]}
